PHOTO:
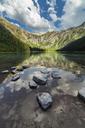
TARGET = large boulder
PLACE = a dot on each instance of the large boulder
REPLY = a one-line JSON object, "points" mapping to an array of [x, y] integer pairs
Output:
{"points": [[45, 100], [40, 80]]}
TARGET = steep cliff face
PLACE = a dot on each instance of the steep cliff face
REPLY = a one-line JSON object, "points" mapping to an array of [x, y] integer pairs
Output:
{"points": [[12, 36]]}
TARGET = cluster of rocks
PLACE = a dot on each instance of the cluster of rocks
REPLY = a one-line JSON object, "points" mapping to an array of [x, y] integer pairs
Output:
{"points": [[40, 78], [14, 69]]}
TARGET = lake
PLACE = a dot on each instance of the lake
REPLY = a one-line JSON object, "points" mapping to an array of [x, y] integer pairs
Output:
{"points": [[18, 105]]}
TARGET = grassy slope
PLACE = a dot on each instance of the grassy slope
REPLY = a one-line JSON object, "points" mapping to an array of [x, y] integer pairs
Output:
{"points": [[59, 40], [9, 42], [50, 40]]}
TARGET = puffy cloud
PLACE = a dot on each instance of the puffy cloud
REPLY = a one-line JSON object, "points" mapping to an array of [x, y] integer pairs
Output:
{"points": [[1, 8], [51, 10], [27, 12], [74, 13]]}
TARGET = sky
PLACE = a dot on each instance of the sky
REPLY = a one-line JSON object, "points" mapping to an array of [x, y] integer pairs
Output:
{"points": [[43, 15]]}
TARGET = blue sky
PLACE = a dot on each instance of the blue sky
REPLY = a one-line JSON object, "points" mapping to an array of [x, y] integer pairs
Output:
{"points": [[43, 15]]}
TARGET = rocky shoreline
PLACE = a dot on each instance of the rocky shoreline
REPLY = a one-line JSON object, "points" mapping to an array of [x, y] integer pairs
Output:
{"points": [[40, 97]]}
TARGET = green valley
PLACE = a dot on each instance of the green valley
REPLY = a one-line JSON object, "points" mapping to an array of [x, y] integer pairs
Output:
{"points": [[15, 39]]}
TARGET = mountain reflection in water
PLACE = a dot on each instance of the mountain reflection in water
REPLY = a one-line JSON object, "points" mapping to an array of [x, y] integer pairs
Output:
{"points": [[69, 62]]}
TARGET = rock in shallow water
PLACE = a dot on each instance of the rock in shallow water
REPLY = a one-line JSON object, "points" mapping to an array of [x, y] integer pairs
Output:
{"points": [[33, 85], [40, 79], [45, 100], [5, 71], [81, 94], [55, 75], [45, 71], [15, 78]]}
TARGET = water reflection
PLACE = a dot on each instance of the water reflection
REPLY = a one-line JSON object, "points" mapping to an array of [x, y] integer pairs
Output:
{"points": [[70, 62], [9, 60]]}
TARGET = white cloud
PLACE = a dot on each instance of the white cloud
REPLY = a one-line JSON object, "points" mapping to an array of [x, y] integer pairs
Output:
{"points": [[51, 10], [27, 12], [1, 8], [74, 13]]}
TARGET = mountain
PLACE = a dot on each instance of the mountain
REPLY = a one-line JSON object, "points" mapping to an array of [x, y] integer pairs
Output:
{"points": [[13, 38], [77, 45]]}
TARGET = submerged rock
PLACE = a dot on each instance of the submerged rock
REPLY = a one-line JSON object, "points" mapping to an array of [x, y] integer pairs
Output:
{"points": [[32, 85], [45, 100], [40, 80], [81, 94], [55, 75], [15, 78]]}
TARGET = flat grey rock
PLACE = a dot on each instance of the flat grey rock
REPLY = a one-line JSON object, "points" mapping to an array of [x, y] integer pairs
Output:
{"points": [[45, 71], [81, 93], [15, 78], [40, 80], [45, 100], [32, 85], [55, 75]]}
